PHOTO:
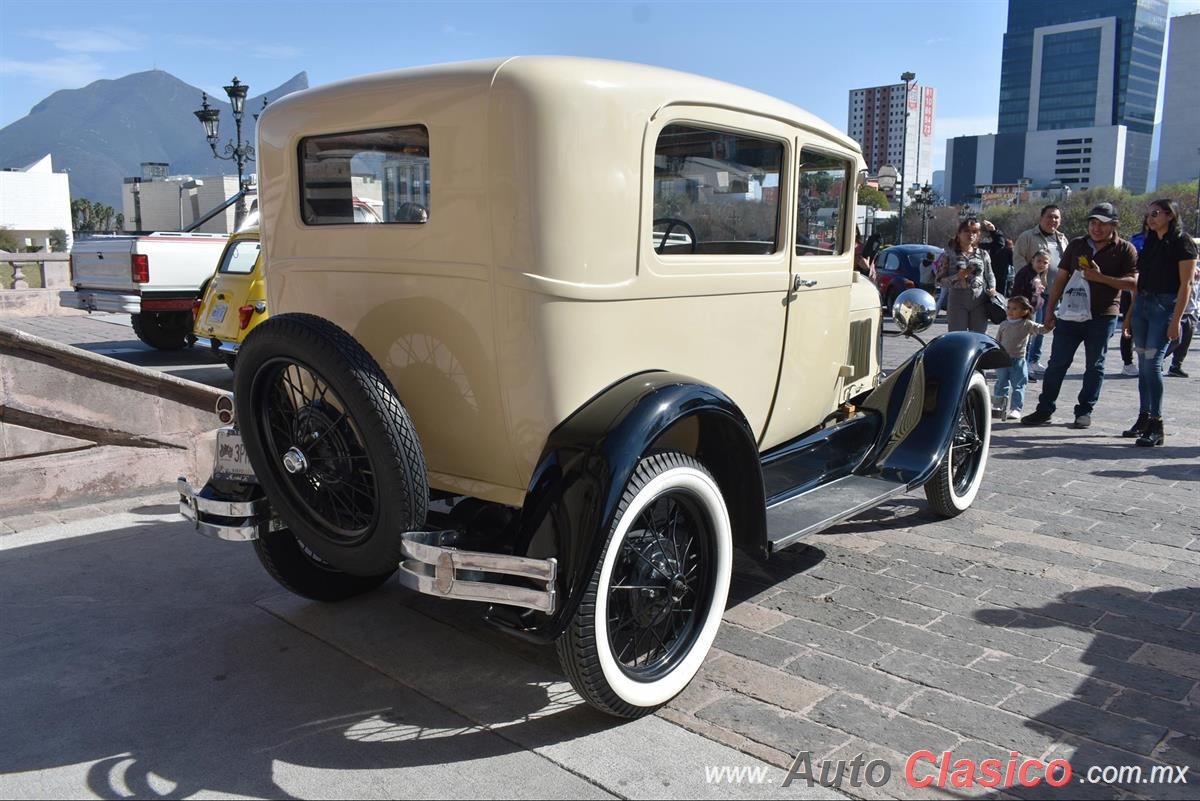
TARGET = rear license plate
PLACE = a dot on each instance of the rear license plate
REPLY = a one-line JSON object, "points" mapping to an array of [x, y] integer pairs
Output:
{"points": [[217, 314], [232, 461]]}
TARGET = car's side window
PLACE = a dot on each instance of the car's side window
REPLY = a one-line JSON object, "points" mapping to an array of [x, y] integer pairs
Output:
{"points": [[366, 177], [240, 257], [821, 203], [892, 262], [715, 192]]}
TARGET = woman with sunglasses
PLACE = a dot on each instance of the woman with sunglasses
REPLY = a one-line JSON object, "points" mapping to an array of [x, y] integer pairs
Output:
{"points": [[966, 269], [1165, 271]]}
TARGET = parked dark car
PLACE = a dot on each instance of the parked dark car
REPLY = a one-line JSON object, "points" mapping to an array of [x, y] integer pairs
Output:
{"points": [[899, 268]]}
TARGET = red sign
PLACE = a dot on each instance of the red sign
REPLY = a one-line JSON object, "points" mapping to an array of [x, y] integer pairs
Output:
{"points": [[927, 113]]}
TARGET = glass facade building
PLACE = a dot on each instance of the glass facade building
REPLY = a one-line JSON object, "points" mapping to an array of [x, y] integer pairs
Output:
{"points": [[1068, 86]]}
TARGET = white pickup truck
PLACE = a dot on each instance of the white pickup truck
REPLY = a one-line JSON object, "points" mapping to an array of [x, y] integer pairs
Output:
{"points": [[157, 278]]}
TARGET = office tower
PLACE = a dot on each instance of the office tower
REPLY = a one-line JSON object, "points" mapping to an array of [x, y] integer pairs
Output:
{"points": [[876, 120], [1078, 64], [1179, 148]]}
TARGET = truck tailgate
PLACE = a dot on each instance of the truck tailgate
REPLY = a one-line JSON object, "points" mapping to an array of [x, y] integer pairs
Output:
{"points": [[103, 263]]}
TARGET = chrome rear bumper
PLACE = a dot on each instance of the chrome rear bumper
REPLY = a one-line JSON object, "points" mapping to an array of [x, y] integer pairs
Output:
{"points": [[429, 567], [435, 569], [220, 346], [235, 521], [100, 300]]}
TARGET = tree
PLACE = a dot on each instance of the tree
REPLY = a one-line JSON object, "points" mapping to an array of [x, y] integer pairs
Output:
{"points": [[870, 196], [8, 242], [58, 241], [91, 217]]}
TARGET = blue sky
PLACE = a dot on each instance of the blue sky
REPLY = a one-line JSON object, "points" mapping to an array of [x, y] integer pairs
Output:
{"points": [[808, 53]]}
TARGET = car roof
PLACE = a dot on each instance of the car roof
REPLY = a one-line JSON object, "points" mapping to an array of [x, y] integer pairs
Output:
{"points": [[644, 88]]}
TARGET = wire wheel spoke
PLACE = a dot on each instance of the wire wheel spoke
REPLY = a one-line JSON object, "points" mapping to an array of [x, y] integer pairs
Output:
{"points": [[661, 576], [333, 482]]}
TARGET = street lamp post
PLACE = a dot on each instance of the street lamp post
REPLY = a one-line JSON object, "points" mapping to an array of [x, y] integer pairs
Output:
{"points": [[236, 150], [906, 77], [923, 198]]}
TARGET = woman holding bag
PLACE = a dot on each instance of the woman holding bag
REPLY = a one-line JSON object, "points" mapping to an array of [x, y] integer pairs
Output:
{"points": [[967, 270], [1164, 283], [1107, 264]]}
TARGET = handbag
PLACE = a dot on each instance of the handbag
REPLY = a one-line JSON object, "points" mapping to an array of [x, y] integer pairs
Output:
{"points": [[1076, 303], [997, 308]]}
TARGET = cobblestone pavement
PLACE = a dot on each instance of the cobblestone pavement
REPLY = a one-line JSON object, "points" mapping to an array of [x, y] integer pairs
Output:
{"points": [[1056, 618]]}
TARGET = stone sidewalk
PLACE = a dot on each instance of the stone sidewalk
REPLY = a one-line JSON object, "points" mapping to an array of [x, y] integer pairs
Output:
{"points": [[1057, 617]]}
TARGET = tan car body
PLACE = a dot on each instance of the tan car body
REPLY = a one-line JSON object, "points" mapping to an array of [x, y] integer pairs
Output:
{"points": [[535, 284]]}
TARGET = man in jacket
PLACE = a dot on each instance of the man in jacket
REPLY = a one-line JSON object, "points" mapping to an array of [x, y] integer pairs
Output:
{"points": [[1109, 264], [999, 250], [1043, 236]]}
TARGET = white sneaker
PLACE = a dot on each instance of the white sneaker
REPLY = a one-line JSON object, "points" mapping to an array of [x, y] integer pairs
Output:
{"points": [[1015, 414], [1038, 369], [1129, 369]]}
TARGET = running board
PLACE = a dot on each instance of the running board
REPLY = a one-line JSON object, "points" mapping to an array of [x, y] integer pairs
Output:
{"points": [[829, 504]]}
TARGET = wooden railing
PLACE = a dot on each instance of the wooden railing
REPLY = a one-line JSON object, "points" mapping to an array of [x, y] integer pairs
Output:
{"points": [[54, 269]]}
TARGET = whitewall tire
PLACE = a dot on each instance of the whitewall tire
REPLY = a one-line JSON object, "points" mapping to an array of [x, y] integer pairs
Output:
{"points": [[954, 485], [655, 600]]}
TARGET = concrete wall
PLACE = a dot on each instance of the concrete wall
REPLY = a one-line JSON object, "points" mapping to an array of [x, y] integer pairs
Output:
{"points": [[34, 201], [1179, 148], [168, 206], [1107, 166]]}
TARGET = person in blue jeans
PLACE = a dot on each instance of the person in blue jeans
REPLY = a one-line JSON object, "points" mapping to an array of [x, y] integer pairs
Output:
{"points": [[1109, 264], [1013, 335], [1166, 270]]}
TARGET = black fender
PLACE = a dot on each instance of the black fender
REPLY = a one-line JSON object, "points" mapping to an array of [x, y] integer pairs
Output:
{"points": [[919, 402], [572, 499]]}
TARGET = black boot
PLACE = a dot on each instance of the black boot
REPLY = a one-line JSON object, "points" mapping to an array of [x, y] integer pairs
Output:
{"points": [[1153, 435], [1139, 426]]}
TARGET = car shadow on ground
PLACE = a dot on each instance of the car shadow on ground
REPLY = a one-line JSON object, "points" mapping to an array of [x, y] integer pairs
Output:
{"points": [[1137, 705], [145, 659]]}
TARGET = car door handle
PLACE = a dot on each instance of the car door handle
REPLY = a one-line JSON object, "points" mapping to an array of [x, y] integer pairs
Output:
{"points": [[799, 282]]}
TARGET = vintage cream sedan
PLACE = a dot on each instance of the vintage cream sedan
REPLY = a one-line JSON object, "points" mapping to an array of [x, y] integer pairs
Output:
{"points": [[607, 331]]}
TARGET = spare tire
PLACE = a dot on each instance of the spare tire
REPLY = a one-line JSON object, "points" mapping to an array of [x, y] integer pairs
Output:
{"points": [[334, 449]]}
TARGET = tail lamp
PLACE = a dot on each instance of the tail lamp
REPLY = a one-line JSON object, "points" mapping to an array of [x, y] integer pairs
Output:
{"points": [[140, 268], [244, 315]]}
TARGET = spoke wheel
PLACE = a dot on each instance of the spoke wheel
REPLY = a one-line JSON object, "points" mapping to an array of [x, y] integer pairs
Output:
{"points": [[967, 446], [661, 582], [656, 596], [332, 446], [953, 487], [323, 454]]}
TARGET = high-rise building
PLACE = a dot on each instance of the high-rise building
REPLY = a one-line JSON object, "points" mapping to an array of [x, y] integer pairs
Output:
{"points": [[876, 120], [1076, 64], [1179, 148]]}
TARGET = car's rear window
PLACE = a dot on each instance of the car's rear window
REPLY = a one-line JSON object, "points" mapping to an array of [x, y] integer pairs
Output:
{"points": [[240, 257], [361, 177]]}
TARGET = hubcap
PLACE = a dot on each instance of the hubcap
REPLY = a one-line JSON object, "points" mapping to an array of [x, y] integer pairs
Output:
{"points": [[294, 461]]}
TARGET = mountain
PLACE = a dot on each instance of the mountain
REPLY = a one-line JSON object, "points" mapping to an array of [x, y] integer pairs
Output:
{"points": [[103, 132]]}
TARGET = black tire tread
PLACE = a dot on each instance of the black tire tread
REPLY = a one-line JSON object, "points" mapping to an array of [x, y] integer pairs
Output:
{"points": [[149, 328], [577, 646], [306, 334], [286, 562]]}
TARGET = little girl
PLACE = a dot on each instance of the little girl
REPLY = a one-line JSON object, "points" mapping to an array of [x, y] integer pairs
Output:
{"points": [[1013, 335]]}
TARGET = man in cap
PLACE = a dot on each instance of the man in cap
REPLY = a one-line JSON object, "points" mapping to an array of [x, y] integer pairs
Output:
{"points": [[1109, 264], [1043, 236]]}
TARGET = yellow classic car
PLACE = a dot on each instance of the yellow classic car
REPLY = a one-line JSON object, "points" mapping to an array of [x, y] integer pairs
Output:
{"points": [[234, 300]]}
